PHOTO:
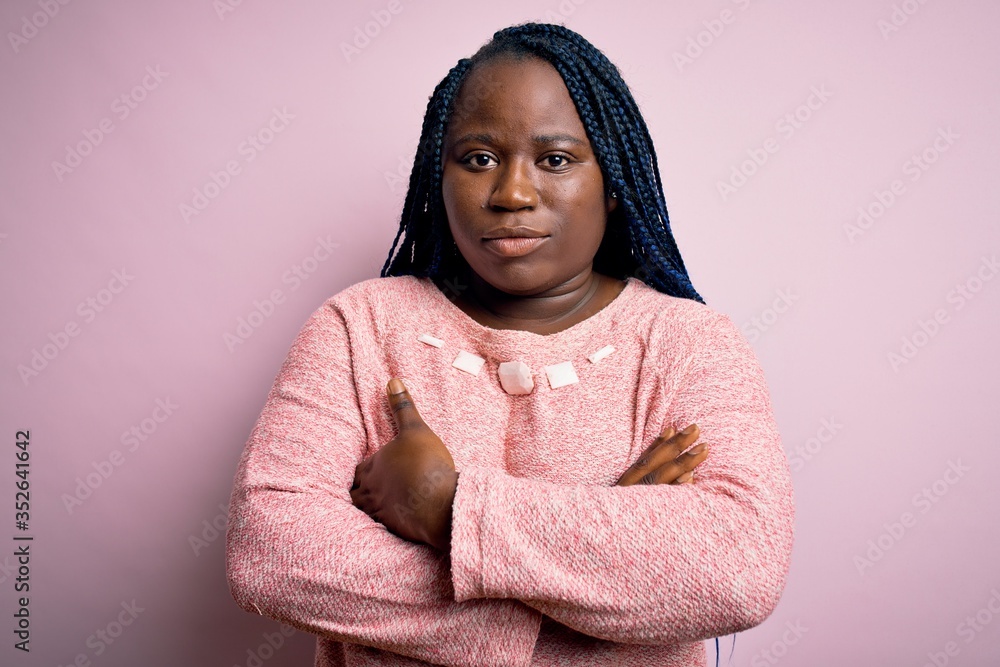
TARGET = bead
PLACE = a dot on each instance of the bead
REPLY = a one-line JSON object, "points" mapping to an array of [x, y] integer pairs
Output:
{"points": [[430, 340], [468, 362], [515, 377], [601, 353], [561, 375]]}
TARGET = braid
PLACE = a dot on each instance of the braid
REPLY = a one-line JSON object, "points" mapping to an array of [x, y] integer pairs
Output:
{"points": [[423, 209], [637, 241]]}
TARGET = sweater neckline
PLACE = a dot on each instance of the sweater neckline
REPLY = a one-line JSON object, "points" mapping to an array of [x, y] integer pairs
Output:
{"points": [[580, 328]]}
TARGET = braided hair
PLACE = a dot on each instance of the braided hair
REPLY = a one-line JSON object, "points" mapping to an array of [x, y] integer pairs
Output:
{"points": [[637, 239]]}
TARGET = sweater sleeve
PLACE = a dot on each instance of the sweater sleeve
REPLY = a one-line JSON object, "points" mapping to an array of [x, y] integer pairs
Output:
{"points": [[642, 564], [299, 551]]}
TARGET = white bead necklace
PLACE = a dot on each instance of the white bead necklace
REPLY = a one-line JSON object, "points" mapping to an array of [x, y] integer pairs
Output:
{"points": [[516, 376]]}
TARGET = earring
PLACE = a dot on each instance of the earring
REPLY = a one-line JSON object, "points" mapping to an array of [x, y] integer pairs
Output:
{"points": [[614, 195]]}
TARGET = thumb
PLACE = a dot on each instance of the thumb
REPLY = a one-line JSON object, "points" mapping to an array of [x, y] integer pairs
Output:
{"points": [[402, 407]]}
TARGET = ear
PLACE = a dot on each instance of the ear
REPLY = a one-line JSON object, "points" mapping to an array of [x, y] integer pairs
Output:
{"points": [[611, 203]]}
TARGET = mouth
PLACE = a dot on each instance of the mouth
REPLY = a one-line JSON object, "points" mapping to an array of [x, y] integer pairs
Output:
{"points": [[513, 232], [514, 246]]}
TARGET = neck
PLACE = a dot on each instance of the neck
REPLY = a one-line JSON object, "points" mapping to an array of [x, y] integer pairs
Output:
{"points": [[546, 307]]}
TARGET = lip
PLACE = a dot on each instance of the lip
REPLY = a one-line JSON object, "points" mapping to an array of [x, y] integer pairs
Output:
{"points": [[514, 246], [509, 232]]}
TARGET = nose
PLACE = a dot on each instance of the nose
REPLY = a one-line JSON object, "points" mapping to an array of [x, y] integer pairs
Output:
{"points": [[513, 190]]}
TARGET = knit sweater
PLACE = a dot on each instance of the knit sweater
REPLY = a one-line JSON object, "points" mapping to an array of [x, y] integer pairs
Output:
{"points": [[550, 562]]}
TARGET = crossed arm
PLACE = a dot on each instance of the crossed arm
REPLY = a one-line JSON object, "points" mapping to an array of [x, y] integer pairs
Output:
{"points": [[643, 564]]}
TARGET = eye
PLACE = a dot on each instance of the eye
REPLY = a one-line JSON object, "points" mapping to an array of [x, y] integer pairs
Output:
{"points": [[562, 161], [480, 160]]}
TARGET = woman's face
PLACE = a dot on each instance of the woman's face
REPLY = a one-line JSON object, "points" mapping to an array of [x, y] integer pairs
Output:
{"points": [[517, 160]]}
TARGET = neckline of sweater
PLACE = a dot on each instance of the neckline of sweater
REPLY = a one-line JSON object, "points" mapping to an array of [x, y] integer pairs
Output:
{"points": [[580, 328]]}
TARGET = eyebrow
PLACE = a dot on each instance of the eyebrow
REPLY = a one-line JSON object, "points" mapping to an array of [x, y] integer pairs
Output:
{"points": [[537, 139]]}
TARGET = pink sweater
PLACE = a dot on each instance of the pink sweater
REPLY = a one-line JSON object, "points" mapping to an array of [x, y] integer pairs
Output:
{"points": [[550, 562]]}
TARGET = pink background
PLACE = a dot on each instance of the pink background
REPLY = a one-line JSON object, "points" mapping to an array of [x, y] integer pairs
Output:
{"points": [[824, 307]]}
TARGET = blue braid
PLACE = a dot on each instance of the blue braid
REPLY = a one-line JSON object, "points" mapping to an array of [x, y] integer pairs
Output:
{"points": [[637, 241]]}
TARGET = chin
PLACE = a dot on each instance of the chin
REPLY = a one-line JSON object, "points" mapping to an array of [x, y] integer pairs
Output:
{"points": [[525, 281]]}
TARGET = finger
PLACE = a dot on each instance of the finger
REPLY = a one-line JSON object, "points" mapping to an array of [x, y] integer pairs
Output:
{"points": [[661, 452], [357, 477], [681, 469], [401, 404], [643, 459]]}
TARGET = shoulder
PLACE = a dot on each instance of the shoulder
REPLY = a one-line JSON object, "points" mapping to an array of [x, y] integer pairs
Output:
{"points": [[376, 297], [670, 312], [362, 312], [682, 328]]}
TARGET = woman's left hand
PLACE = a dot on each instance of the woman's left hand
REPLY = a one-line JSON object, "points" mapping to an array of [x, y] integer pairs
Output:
{"points": [[409, 484]]}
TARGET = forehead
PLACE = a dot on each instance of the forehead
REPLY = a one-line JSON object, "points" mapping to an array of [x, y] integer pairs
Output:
{"points": [[515, 94]]}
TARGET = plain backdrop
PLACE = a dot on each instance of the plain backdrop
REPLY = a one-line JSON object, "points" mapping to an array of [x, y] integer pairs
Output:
{"points": [[183, 183]]}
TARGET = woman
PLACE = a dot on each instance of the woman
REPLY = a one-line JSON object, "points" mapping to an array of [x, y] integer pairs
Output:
{"points": [[528, 496]]}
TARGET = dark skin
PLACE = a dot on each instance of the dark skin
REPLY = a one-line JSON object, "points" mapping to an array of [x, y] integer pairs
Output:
{"points": [[520, 157]]}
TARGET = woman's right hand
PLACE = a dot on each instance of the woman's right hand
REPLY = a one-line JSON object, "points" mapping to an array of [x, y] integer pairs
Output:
{"points": [[662, 462]]}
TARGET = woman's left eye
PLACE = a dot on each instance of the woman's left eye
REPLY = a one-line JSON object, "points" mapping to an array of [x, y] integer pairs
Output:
{"points": [[563, 158]]}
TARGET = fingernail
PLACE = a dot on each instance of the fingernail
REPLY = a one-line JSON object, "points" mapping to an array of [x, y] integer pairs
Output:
{"points": [[690, 429], [396, 386], [698, 449]]}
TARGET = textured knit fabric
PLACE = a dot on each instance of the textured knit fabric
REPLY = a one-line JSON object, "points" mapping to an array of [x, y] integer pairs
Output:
{"points": [[551, 563]]}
